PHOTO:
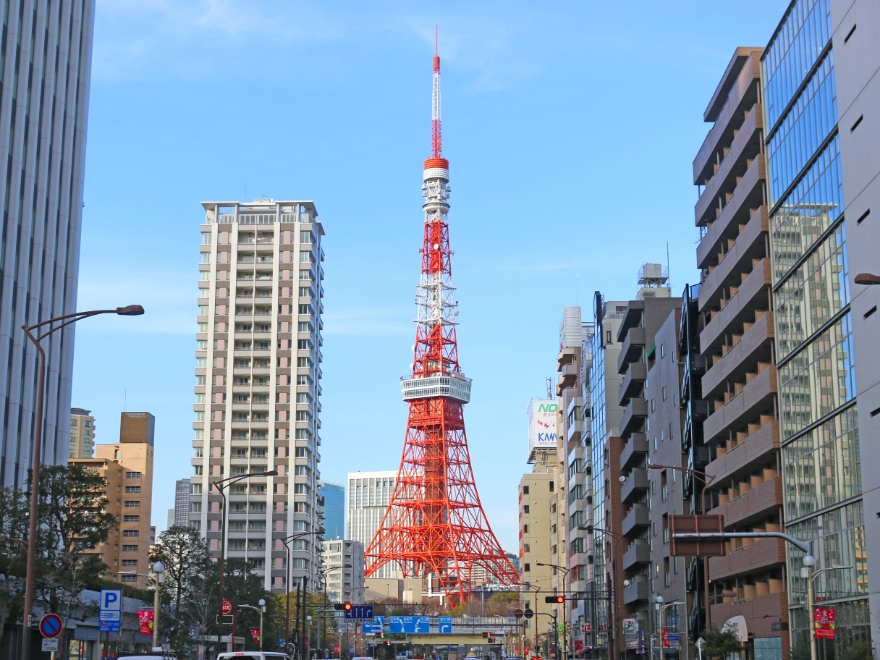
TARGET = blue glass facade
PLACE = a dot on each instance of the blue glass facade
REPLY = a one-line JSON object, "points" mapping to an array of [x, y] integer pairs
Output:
{"points": [[811, 299], [334, 509]]}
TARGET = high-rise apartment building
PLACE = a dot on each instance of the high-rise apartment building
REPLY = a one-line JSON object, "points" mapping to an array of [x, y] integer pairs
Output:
{"points": [[367, 498], [334, 509], [649, 422], [47, 59], [127, 467], [258, 373], [573, 443], [82, 434], [343, 566], [732, 432], [182, 490], [605, 585], [819, 95]]}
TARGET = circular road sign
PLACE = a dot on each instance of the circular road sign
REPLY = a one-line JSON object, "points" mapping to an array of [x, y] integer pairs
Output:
{"points": [[528, 614], [50, 626], [226, 608], [518, 613]]}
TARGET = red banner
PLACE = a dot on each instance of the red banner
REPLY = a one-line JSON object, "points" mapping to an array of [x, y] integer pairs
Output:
{"points": [[255, 634], [145, 618], [824, 623], [665, 637]]}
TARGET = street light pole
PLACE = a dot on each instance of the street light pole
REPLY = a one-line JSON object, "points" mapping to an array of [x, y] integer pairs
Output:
{"points": [[287, 579], [612, 591], [159, 570], [555, 567], [30, 575]]}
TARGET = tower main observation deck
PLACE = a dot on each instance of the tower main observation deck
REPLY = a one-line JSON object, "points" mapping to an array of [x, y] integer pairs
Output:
{"points": [[435, 524]]}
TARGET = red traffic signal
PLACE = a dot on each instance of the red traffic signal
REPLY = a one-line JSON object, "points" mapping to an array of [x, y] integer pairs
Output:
{"points": [[342, 606], [554, 599]]}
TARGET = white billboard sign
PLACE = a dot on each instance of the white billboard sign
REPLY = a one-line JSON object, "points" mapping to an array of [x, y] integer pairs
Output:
{"points": [[542, 424]]}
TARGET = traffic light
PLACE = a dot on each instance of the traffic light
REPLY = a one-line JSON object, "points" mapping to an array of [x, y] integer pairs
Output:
{"points": [[342, 606], [380, 635], [554, 599], [486, 633]]}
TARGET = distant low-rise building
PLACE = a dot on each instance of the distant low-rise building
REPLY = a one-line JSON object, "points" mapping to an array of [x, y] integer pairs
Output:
{"points": [[343, 562]]}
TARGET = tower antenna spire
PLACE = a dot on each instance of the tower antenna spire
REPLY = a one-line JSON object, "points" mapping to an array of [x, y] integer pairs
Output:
{"points": [[436, 140]]}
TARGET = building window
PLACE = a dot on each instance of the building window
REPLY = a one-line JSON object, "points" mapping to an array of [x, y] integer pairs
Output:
{"points": [[526, 508], [129, 578], [527, 547], [129, 562], [133, 475], [131, 519], [662, 350], [528, 568], [131, 533], [132, 504], [129, 548], [663, 392], [132, 489], [525, 490], [525, 529]]}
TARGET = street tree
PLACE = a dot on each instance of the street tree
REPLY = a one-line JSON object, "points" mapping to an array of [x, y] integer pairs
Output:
{"points": [[74, 520], [13, 556]]}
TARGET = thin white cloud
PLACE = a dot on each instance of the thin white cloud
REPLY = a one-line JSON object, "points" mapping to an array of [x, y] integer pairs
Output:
{"points": [[369, 321]]}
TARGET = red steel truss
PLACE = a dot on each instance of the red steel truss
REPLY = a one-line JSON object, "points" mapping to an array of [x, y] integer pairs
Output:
{"points": [[435, 524]]}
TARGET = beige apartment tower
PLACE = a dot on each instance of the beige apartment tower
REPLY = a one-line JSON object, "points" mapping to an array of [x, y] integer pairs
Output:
{"points": [[82, 434], [127, 467], [258, 375]]}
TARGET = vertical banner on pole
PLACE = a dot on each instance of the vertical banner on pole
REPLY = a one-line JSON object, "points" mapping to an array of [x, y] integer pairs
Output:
{"points": [[824, 623]]}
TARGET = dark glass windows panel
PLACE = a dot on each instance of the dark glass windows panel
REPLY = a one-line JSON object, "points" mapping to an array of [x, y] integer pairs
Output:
{"points": [[813, 206], [818, 380], [822, 466], [813, 293], [805, 127], [789, 58]]}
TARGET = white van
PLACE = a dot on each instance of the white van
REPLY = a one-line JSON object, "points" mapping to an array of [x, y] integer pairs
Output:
{"points": [[253, 655]]}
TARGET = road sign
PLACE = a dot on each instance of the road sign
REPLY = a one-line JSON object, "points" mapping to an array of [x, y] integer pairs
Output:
{"points": [[672, 637], [110, 616], [371, 627], [444, 626], [280, 641], [528, 613], [226, 608], [587, 627], [359, 612], [50, 626], [518, 613], [50, 644], [410, 624], [696, 524], [109, 626]]}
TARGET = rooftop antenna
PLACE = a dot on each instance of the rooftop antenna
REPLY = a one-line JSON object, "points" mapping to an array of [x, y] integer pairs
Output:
{"points": [[667, 265], [549, 382], [577, 290]]}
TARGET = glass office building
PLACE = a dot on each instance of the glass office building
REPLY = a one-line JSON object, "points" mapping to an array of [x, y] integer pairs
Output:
{"points": [[811, 299]]}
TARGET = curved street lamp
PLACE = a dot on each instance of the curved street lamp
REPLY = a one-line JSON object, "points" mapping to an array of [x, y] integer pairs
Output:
{"points": [[29, 330]]}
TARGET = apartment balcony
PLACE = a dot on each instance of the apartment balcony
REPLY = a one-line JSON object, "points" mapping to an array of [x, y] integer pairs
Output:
{"points": [[750, 297], [729, 102], [568, 376], [746, 248], [754, 399], [574, 431], [633, 382], [746, 455], [636, 518], [756, 557], [744, 151], [637, 555], [565, 356], [761, 611], [752, 505], [636, 591], [632, 348], [633, 416], [636, 484], [635, 449], [751, 347]]}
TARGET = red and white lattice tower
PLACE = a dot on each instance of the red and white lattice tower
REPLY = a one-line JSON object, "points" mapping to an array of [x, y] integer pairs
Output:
{"points": [[435, 524]]}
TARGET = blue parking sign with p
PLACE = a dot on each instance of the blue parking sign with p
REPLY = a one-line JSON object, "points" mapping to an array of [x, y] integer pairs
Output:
{"points": [[111, 600]]}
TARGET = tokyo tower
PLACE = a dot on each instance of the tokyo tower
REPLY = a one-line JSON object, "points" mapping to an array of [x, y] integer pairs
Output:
{"points": [[435, 524]]}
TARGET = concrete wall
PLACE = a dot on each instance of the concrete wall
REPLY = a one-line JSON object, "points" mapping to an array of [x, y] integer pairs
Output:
{"points": [[856, 24]]}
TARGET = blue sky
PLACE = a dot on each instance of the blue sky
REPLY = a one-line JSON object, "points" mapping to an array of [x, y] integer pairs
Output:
{"points": [[570, 128]]}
